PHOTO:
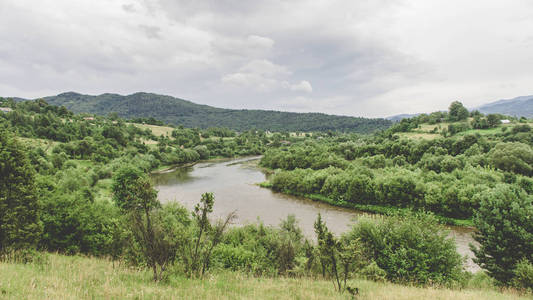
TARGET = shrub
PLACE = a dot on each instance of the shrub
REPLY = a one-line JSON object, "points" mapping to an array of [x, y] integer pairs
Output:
{"points": [[504, 223], [523, 278], [410, 248], [373, 272]]}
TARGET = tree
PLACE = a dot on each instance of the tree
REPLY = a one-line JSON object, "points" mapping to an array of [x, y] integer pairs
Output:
{"points": [[493, 120], [513, 157], [135, 195], [20, 227], [457, 112], [197, 255], [504, 223]]}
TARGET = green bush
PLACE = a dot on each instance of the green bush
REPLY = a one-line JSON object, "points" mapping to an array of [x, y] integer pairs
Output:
{"points": [[373, 272], [504, 223], [523, 278], [410, 248]]}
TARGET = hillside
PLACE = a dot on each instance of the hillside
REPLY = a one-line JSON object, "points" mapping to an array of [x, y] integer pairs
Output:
{"points": [[181, 112], [519, 106]]}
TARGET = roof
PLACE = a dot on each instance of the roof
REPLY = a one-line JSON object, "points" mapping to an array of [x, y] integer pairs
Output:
{"points": [[5, 109]]}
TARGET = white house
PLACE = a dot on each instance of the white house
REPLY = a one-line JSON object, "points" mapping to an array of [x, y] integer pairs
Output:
{"points": [[5, 109], [505, 121]]}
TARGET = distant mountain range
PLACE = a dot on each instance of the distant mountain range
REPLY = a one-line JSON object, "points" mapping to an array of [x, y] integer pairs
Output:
{"points": [[519, 107], [182, 112], [398, 118]]}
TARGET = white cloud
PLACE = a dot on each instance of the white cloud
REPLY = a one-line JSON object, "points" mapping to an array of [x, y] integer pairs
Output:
{"points": [[260, 41], [303, 86]]}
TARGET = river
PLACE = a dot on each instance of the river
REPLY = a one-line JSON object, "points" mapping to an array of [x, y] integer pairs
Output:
{"points": [[234, 185]]}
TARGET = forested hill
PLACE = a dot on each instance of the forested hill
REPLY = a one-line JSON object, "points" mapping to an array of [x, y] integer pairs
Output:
{"points": [[181, 112], [519, 106]]}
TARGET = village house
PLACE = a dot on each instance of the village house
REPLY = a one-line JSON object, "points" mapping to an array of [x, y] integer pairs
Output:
{"points": [[5, 109]]}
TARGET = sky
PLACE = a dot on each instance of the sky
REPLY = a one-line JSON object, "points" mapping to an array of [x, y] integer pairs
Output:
{"points": [[371, 58]]}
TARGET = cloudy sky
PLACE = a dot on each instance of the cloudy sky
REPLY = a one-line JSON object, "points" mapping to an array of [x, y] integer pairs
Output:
{"points": [[370, 58]]}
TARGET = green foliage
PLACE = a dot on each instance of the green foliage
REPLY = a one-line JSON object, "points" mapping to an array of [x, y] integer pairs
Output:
{"points": [[514, 157], [504, 223], [457, 112], [523, 275], [20, 226], [373, 272], [72, 224], [159, 237], [133, 191], [181, 112], [205, 237], [410, 248]]}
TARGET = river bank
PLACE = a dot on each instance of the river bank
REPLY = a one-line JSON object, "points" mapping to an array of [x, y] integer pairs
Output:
{"points": [[234, 184]]}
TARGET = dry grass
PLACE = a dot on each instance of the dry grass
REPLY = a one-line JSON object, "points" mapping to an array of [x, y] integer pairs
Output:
{"points": [[62, 277], [156, 130]]}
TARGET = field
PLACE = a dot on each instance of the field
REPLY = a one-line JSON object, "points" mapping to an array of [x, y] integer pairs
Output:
{"points": [[74, 277], [432, 131]]}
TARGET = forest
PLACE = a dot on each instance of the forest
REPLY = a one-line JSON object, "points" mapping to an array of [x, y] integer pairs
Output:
{"points": [[79, 184], [188, 114]]}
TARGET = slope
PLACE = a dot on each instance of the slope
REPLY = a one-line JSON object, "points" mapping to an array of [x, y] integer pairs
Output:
{"points": [[182, 112]]}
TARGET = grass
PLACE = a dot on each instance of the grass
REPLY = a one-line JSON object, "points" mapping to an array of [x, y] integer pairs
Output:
{"points": [[74, 277], [156, 130]]}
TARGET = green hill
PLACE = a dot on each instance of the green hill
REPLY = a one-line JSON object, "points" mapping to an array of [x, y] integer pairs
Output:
{"points": [[182, 112]]}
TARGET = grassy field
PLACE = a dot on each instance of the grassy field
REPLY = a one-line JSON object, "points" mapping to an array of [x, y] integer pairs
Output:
{"points": [[156, 130], [429, 132], [73, 277]]}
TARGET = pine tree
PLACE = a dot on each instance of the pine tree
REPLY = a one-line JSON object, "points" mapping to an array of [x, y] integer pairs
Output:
{"points": [[20, 226]]}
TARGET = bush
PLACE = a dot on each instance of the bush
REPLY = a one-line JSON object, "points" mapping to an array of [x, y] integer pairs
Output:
{"points": [[373, 272], [410, 248], [523, 275], [504, 223]]}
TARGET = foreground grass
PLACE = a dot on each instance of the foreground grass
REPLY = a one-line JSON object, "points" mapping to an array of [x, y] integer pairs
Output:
{"points": [[74, 277]]}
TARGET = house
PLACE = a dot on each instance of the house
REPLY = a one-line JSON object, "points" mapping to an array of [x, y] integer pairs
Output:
{"points": [[89, 118], [505, 121], [5, 109]]}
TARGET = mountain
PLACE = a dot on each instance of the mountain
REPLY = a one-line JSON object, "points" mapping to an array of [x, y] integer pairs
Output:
{"points": [[519, 106], [182, 112], [398, 118]]}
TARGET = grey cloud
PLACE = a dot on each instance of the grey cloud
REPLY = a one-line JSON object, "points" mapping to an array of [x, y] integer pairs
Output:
{"points": [[372, 58], [129, 7], [151, 32]]}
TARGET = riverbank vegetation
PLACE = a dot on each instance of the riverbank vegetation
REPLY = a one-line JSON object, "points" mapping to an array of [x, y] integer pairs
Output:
{"points": [[455, 176], [80, 185]]}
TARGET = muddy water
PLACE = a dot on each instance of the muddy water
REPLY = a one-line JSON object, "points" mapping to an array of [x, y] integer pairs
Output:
{"points": [[233, 183]]}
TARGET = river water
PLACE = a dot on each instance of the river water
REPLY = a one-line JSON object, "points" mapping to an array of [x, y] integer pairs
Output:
{"points": [[234, 185]]}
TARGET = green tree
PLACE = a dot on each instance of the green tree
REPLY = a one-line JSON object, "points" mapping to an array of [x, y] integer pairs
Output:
{"points": [[20, 226], [513, 157], [493, 120], [135, 195], [197, 256], [504, 223], [457, 112]]}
